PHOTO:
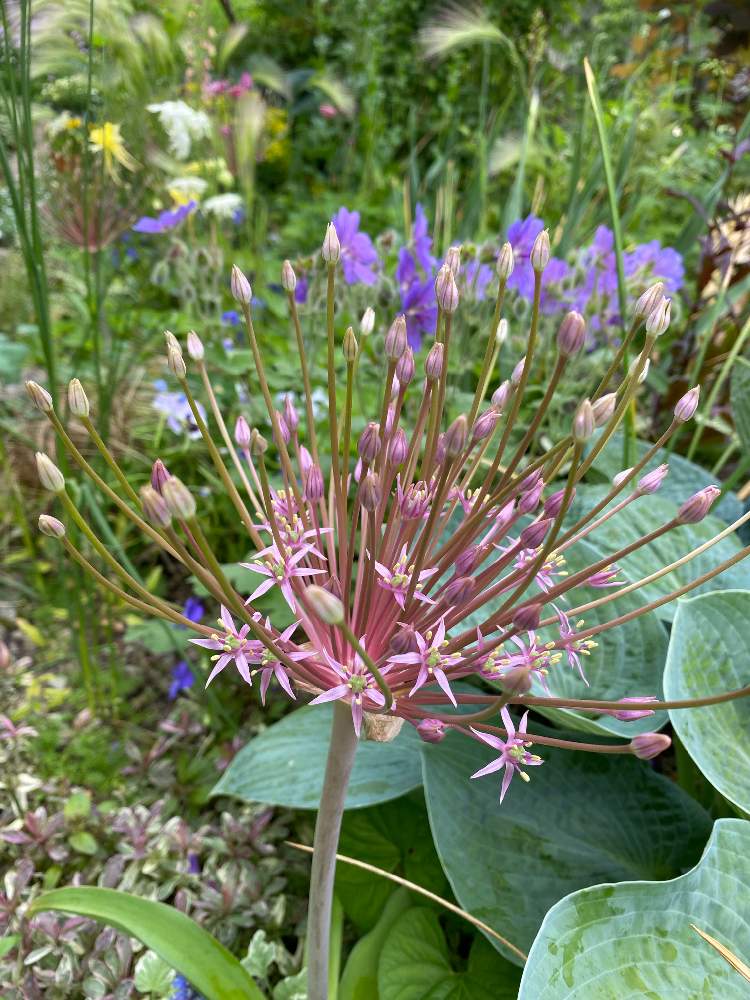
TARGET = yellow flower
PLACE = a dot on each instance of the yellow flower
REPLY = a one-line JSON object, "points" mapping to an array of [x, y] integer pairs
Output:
{"points": [[106, 139], [72, 123]]}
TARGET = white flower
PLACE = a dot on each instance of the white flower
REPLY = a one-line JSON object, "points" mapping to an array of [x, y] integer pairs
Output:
{"points": [[184, 189], [182, 124], [223, 206]]}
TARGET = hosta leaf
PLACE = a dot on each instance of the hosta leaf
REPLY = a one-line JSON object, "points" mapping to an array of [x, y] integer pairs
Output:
{"points": [[284, 766], [583, 818], [643, 516], [635, 939], [174, 937], [708, 654], [740, 392]]}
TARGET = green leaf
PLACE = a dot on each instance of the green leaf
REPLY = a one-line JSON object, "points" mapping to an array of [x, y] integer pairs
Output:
{"points": [[284, 766], [643, 516], [414, 965], [740, 394], [83, 842], [153, 975], [360, 977], [186, 947], [78, 806], [708, 654], [8, 943], [261, 954], [635, 939], [583, 818]]}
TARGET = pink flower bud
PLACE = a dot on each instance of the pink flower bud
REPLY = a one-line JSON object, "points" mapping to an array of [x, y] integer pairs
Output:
{"points": [[460, 590], [369, 442], [517, 372], [517, 680], [649, 300], [39, 397], [395, 339], [485, 425], [621, 477], [51, 526], [159, 475], [505, 262], [553, 503], [629, 715], [350, 347], [527, 617], [78, 402], [652, 481], [176, 363], [305, 461], [648, 745], [240, 287], [657, 321], [398, 449], [534, 534], [283, 428], [530, 480], [504, 518], [687, 405], [456, 435], [403, 641], [433, 366], [324, 605], [195, 346], [431, 730], [314, 485], [583, 422], [179, 499], [446, 290], [367, 323], [501, 334], [529, 499], [331, 249], [467, 560], [501, 395], [405, 367], [453, 260], [370, 492], [288, 277], [571, 335], [540, 251], [696, 507], [49, 475], [291, 417], [242, 432], [155, 507], [603, 409]]}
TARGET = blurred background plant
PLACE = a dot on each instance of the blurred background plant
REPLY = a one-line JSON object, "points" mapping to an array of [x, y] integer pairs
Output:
{"points": [[144, 148]]}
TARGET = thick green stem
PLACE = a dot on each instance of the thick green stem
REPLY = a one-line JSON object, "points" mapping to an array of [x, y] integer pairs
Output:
{"points": [[341, 752]]}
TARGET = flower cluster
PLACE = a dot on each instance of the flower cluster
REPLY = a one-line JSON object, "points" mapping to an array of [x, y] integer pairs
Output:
{"points": [[433, 549]]}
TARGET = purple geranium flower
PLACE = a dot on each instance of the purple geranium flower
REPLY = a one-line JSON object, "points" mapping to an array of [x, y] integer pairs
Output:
{"points": [[182, 679], [194, 609], [418, 303], [358, 255], [176, 409], [521, 235], [422, 242], [301, 290], [164, 221]]}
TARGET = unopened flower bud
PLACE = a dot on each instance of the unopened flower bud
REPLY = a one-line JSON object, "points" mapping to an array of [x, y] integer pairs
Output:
{"points": [[305, 461], [155, 507], [603, 408], [460, 590], [485, 425], [240, 287], [395, 339], [583, 422], [657, 321], [529, 499], [652, 481], [405, 367], [370, 493], [440, 449], [530, 480], [176, 364], [283, 428], [644, 371], [433, 366], [49, 475], [517, 372], [431, 730], [572, 334], [631, 714], [179, 499], [553, 503], [369, 443], [49, 525], [350, 346], [242, 432], [291, 417], [367, 323], [331, 249], [467, 560], [649, 300], [517, 680], [288, 277], [195, 346], [620, 477], [534, 534], [172, 342], [78, 402], [540, 251], [324, 605], [446, 290], [403, 641], [505, 262], [501, 334], [258, 444], [456, 435], [39, 396], [687, 405], [453, 260], [398, 449], [527, 617], [696, 507], [504, 518], [501, 395], [314, 485], [159, 475], [648, 745]]}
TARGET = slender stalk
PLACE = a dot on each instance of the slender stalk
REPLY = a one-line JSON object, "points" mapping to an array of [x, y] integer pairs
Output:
{"points": [[339, 765]]}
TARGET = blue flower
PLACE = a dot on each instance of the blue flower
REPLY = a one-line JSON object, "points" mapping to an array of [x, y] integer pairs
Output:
{"points": [[182, 679], [418, 302], [182, 990], [521, 235], [175, 407], [301, 290], [359, 257], [165, 220], [194, 609], [230, 318]]}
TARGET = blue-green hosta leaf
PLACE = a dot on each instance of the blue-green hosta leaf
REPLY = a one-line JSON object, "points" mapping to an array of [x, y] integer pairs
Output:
{"points": [[708, 654], [284, 766], [583, 818], [643, 516], [634, 941]]}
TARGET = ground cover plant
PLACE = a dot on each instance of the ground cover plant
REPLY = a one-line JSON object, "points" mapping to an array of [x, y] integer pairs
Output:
{"points": [[374, 619]]}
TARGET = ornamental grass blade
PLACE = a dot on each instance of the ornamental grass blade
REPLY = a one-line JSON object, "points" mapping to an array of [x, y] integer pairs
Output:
{"points": [[726, 954], [193, 952]]}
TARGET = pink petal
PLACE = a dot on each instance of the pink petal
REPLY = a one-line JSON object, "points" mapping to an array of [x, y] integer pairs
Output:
{"points": [[333, 694], [490, 768]]}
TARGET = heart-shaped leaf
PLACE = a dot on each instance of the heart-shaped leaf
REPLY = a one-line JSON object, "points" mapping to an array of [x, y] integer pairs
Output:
{"points": [[583, 818], [708, 654], [284, 766], [635, 939]]}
